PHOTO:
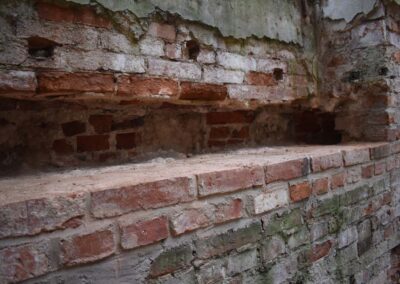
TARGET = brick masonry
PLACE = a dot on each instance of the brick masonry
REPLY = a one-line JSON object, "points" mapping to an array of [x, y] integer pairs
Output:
{"points": [[213, 225], [82, 85]]}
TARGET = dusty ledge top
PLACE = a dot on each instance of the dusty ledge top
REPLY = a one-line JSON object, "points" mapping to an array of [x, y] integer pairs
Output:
{"points": [[17, 189]]}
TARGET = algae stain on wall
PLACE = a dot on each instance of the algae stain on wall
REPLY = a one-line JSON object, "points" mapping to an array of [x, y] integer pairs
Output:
{"points": [[275, 19]]}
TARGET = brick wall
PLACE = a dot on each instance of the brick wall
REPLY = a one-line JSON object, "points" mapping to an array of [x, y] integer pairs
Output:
{"points": [[81, 85], [65, 134], [303, 215], [359, 72]]}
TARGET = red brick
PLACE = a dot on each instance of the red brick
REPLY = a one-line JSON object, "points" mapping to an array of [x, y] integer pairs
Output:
{"points": [[164, 31], [17, 81], [34, 216], [300, 191], [79, 249], [73, 128], [62, 147], [147, 87], [24, 262], [126, 140], [367, 171], [113, 202], [263, 79], [206, 92], [101, 123], [191, 219], [91, 143], [380, 168], [76, 15], [243, 133], [355, 156], [228, 211], [72, 83], [326, 162], [381, 151], [230, 117], [286, 170], [338, 180], [219, 133], [144, 232], [320, 250], [229, 180], [320, 186]]}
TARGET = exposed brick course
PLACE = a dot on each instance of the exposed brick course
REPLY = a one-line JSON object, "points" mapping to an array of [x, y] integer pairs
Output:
{"points": [[208, 157], [143, 233], [229, 180], [147, 87], [85, 248], [157, 194], [286, 170], [81, 15], [195, 91], [73, 83]]}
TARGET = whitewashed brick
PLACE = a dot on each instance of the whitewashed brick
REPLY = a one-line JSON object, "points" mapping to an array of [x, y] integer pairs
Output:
{"points": [[268, 65], [220, 75], [116, 42], [271, 200], [173, 51], [347, 237], [236, 61], [95, 60], [368, 34], [174, 69], [270, 94], [242, 262], [151, 46], [18, 81], [206, 56]]}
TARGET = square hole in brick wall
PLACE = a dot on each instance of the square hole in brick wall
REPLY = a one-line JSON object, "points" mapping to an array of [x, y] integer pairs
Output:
{"points": [[315, 127]]}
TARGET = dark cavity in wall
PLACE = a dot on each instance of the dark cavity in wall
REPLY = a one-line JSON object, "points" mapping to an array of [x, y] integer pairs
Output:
{"points": [[315, 127], [41, 48], [192, 49]]}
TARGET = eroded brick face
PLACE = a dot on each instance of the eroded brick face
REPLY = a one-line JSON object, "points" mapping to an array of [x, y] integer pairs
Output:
{"points": [[65, 83], [286, 170], [24, 262], [86, 248], [224, 218], [192, 91], [83, 15], [118, 201], [147, 87], [144, 232]]}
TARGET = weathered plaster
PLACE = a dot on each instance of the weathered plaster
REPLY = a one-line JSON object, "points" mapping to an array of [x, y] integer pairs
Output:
{"points": [[237, 18], [347, 10]]}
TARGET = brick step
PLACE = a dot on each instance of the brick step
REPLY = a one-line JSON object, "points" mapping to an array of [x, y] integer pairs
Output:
{"points": [[165, 198]]}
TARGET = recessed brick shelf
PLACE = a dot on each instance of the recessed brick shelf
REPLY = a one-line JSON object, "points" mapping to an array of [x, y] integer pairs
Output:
{"points": [[200, 207]]}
